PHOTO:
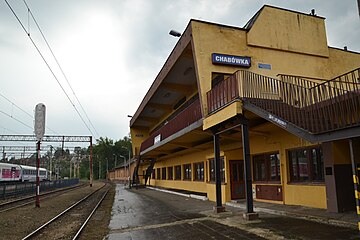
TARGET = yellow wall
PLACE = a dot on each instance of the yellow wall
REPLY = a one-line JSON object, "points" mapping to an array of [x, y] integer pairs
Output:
{"points": [[277, 139], [272, 139], [292, 52], [196, 186], [341, 61], [122, 174], [228, 112], [310, 196], [289, 31], [137, 137], [181, 184], [206, 38], [341, 151], [291, 43]]}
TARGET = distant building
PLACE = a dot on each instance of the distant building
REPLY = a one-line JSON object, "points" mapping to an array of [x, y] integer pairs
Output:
{"points": [[299, 98]]}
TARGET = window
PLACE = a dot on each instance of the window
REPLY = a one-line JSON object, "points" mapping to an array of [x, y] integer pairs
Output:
{"points": [[212, 169], [306, 165], [163, 173], [266, 167], [178, 172], [187, 172], [158, 173], [199, 171], [170, 173], [217, 78], [153, 174]]}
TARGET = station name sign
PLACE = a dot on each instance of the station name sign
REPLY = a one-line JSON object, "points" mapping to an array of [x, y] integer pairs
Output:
{"points": [[157, 139], [225, 59], [277, 120]]}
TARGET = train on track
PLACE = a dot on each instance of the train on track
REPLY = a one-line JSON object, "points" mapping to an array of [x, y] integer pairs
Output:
{"points": [[20, 173]]}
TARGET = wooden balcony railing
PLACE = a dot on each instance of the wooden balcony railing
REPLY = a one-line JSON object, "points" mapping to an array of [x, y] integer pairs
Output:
{"points": [[223, 93], [317, 108], [183, 119]]}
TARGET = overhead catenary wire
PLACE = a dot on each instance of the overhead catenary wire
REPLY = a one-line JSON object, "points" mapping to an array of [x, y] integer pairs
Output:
{"points": [[7, 99], [48, 66], [22, 110], [9, 130], [58, 64], [10, 116]]}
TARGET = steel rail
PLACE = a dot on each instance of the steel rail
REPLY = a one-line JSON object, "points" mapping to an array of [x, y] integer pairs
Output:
{"points": [[32, 197], [60, 214], [90, 215]]}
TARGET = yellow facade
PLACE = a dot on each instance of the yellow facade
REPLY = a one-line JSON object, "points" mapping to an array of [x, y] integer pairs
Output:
{"points": [[288, 43], [322, 63], [274, 140], [289, 31], [121, 174]]}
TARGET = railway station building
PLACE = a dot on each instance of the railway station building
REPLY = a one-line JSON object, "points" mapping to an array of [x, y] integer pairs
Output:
{"points": [[271, 95]]}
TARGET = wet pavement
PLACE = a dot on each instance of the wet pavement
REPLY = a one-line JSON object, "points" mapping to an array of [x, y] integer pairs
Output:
{"points": [[148, 214]]}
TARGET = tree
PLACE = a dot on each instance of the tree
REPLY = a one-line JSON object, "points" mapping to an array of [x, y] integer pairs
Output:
{"points": [[106, 151]]}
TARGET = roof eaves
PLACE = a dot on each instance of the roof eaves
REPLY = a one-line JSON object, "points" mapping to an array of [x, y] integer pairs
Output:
{"points": [[252, 20], [218, 24], [341, 49], [174, 55]]}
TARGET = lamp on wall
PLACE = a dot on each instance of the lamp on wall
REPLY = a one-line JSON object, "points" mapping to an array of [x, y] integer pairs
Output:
{"points": [[175, 33]]}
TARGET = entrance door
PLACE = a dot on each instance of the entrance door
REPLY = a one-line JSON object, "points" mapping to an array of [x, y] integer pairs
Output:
{"points": [[237, 179]]}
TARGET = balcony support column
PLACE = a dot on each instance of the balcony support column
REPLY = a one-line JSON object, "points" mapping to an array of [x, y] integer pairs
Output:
{"points": [[219, 207], [249, 215]]}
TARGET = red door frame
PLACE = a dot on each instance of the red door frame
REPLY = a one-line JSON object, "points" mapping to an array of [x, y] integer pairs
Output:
{"points": [[237, 181]]}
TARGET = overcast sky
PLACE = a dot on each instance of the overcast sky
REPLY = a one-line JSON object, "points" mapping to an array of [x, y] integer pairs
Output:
{"points": [[112, 50]]}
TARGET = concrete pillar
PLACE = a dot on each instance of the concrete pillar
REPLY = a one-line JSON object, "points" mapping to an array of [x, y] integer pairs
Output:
{"points": [[338, 176], [219, 207], [249, 215]]}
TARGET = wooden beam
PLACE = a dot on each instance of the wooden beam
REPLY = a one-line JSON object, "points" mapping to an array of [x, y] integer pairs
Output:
{"points": [[230, 137], [164, 107], [149, 119], [188, 146], [264, 134], [177, 87], [197, 131]]}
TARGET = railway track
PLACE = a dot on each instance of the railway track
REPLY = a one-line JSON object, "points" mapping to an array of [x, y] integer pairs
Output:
{"points": [[7, 206], [69, 223]]}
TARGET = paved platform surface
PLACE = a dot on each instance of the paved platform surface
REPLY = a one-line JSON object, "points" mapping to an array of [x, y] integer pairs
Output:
{"points": [[149, 214], [347, 219]]}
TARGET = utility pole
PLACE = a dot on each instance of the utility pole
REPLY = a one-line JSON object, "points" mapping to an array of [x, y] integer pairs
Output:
{"points": [[78, 169], [51, 149], [39, 130], [37, 200], [129, 171], [23, 156], [99, 170], [107, 169], [115, 158], [91, 162]]}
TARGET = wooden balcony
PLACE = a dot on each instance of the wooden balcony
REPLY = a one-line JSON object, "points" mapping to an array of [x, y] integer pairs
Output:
{"points": [[314, 107], [223, 93], [177, 122]]}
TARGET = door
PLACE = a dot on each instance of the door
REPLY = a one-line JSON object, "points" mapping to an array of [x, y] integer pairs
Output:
{"points": [[237, 179]]}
